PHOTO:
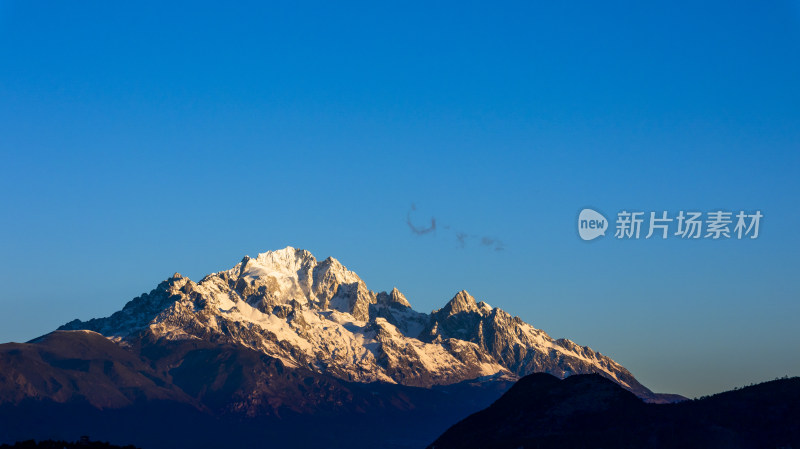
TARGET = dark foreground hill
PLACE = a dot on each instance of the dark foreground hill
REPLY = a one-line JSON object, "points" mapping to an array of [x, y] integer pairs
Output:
{"points": [[589, 411], [57, 444], [198, 394]]}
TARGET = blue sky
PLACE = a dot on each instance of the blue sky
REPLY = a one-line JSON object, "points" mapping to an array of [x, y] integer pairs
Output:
{"points": [[142, 139]]}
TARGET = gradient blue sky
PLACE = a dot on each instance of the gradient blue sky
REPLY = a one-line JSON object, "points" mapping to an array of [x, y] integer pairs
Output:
{"points": [[143, 138]]}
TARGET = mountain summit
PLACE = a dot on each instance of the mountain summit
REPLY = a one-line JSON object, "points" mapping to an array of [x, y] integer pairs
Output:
{"points": [[319, 315]]}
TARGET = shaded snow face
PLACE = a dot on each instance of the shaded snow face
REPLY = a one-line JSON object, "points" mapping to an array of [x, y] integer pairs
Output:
{"points": [[322, 316]]}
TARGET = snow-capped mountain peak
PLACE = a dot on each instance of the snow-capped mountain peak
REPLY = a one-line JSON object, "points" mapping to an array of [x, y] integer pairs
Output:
{"points": [[462, 302], [322, 316]]}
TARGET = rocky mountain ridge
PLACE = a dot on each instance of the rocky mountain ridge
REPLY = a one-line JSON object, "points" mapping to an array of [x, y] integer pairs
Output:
{"points": [[321, 316]]}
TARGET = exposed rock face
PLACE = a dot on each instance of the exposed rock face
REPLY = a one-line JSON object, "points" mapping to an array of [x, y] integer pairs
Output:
{"points": [[518, 346], [321, 316]]}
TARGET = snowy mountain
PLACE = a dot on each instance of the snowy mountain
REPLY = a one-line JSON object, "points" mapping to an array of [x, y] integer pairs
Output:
{"points": [[322, 317]]}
